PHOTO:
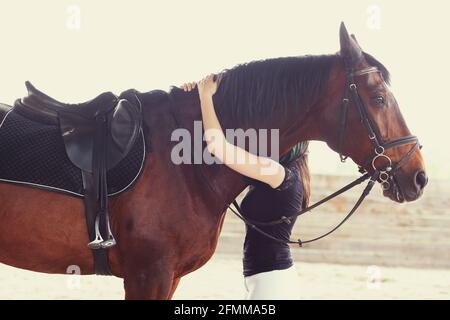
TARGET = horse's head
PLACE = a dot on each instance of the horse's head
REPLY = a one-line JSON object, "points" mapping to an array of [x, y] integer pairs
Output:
{"points": [[365, 124]]}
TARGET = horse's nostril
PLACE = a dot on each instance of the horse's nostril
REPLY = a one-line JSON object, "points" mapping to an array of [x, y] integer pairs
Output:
{"points": [[421, 179]]}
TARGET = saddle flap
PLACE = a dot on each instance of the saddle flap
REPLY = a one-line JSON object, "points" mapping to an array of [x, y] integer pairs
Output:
{"points": [[78, 135], [125, 125]]}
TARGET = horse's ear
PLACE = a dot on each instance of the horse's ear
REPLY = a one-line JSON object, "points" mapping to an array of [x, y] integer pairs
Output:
{"points": [[354, 38], [350, 50]]}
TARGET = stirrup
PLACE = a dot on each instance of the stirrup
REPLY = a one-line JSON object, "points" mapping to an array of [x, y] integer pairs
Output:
{"points": [[97, 242], [111, 242]]}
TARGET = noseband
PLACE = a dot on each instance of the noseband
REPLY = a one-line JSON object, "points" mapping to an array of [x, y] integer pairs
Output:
{"points": [[387, 172], [384, 175]]}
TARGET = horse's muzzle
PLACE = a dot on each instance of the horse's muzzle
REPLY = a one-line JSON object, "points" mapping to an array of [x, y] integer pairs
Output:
{"points": [[406, 187]]}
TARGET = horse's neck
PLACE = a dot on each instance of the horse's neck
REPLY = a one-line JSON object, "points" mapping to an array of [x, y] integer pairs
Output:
{"points": [[219, 184], [224, 184]]}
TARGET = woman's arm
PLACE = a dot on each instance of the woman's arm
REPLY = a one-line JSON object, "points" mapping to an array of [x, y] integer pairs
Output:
{"points": [[260, 168]]}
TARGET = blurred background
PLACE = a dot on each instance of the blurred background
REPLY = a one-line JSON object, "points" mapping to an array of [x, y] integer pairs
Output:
{"points": [[73, 50]]}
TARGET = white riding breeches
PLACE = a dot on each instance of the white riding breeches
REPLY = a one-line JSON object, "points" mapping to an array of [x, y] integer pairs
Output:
{"points": [[273, 285]]}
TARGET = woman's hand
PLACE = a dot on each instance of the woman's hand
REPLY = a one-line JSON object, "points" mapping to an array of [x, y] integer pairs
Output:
{"points": [[207, 87]]}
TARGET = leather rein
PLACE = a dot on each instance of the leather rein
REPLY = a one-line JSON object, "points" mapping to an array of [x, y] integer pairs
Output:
{"points": [[385, 174]]}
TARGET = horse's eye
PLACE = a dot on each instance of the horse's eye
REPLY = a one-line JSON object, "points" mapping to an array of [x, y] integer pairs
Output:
{"points": [[379, 101]]}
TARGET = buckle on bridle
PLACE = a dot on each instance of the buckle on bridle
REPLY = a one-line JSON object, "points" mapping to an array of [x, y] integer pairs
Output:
{"points": [[379, 150]]}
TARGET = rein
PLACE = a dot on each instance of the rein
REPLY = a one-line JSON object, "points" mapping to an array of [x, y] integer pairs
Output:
{"points": [[384, 175], [256, 224]]}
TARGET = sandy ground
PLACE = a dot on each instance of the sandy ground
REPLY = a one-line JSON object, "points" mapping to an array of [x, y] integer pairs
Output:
{"points": [[221, 279]]}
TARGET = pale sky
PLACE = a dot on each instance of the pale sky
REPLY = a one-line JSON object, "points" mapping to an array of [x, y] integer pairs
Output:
{"points": [[117, 45]]}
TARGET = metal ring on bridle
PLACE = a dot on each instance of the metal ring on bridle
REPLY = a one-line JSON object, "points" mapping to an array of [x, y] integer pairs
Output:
{"points": [[384, 176], [384, 179], [352, 86], [385, 185], [381, 156], [379, 150]]}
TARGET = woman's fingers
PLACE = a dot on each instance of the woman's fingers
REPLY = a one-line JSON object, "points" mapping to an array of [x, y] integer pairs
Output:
{"points": [[188, 86], [206, 78]]}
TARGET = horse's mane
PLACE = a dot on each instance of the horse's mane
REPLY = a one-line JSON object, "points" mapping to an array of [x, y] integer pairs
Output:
{"points": [[253, 92]]}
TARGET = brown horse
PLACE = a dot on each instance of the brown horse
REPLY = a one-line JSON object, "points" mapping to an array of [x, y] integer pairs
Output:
{"points": [[168, 224]]}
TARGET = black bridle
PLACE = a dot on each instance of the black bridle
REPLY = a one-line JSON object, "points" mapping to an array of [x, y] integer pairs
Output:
{"points": [[380, 147], [384, 174]]}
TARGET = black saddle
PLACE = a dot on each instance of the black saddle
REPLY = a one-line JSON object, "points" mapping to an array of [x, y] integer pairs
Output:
{"points": [[97, 135], [80, 122], [89, 109]]}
